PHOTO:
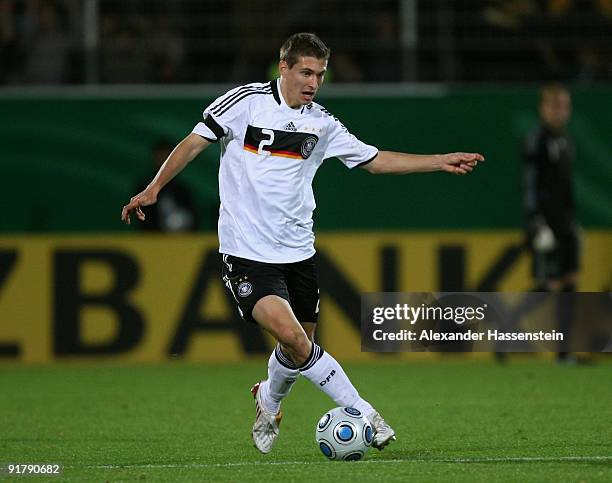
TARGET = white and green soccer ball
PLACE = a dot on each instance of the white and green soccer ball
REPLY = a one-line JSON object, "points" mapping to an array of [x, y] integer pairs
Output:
{"points": [[344, 434]]}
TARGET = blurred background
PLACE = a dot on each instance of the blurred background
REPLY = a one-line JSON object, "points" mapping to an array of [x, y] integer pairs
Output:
{"points": [[55, 42], [95, 93]]}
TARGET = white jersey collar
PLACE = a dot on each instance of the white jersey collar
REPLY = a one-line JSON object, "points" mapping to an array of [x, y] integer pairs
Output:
{"points": [[278, 97]]}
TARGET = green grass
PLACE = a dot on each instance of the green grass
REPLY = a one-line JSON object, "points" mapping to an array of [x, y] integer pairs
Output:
{"points": [[455, 421]]}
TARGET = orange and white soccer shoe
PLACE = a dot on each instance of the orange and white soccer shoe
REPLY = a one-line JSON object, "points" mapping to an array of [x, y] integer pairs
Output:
{"points": [[265, 429]]}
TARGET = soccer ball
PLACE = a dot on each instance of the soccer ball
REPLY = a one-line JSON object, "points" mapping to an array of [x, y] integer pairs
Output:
{"points": [[344, 434]]}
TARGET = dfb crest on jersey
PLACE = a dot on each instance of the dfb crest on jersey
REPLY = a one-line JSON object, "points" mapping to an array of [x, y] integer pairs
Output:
{"points": [[308, 146]]}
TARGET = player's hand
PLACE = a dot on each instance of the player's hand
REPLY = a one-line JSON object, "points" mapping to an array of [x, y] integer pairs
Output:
{"points": [[544, 240], [460, 163], [144, 198]]}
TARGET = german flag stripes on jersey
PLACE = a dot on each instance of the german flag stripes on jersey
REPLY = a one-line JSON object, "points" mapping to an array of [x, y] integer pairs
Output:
{"points": [[297, 145]]}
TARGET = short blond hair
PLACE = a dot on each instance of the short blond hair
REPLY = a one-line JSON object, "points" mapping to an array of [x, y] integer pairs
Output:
{"points": [[303, 44]]}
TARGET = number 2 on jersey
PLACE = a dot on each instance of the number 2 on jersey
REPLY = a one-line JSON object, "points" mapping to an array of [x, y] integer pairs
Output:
{"points": [[265, 142]]}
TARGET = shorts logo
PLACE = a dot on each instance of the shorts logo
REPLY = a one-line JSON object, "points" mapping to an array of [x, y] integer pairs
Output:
{"points": [[308, 146], [245, 289]]}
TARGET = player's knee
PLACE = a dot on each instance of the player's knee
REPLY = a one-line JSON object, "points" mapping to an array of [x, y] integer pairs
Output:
{"points": [[297, 345], [297, 341], [279, 321]]}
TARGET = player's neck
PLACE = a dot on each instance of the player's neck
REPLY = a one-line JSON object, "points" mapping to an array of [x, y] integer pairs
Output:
{"points": [[286, 98]]}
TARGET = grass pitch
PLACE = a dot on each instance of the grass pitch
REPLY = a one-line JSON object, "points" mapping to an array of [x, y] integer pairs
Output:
{"points": [[529, 420]]}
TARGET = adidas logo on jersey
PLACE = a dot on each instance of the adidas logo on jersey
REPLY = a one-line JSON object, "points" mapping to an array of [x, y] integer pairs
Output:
{"points": [[290, 127]]}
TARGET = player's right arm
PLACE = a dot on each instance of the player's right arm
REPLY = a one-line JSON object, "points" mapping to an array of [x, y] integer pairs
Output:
{"points": [[180, 157]]}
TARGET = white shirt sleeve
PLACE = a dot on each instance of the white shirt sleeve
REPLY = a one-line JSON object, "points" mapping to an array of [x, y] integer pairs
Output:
{"points": [[346, 147], [223, 116]]}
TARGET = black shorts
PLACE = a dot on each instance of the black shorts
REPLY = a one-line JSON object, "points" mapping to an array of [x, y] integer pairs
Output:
{"points": [[250, 281], [561, 261]]}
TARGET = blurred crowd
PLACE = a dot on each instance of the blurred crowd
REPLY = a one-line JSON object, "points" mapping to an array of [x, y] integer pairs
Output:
{"points": [[190, 41], [565, 40]]}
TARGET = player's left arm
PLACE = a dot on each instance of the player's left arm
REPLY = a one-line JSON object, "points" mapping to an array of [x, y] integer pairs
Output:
{"points": [[390, 162]]}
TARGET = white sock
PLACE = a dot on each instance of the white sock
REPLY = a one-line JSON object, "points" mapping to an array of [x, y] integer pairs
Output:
{"points": [[282, 373], [324, 372]]}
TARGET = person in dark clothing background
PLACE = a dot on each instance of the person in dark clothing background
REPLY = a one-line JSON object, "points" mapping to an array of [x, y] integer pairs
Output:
{"points": [[551, 227], [175, 210]]}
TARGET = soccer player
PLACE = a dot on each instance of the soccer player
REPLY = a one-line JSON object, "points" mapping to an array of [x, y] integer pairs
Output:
{"points": [[552, 230], [273, 139]]}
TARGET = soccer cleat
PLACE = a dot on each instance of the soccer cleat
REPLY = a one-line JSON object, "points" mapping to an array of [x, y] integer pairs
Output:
{"points": [[265, 429], [383, 433]]}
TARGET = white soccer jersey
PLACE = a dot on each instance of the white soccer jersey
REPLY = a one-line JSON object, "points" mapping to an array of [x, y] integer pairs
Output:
{"points": [[269, 156]]}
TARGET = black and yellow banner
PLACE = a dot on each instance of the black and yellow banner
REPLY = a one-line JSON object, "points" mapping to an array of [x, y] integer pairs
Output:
{"points": [[156, 298]]}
